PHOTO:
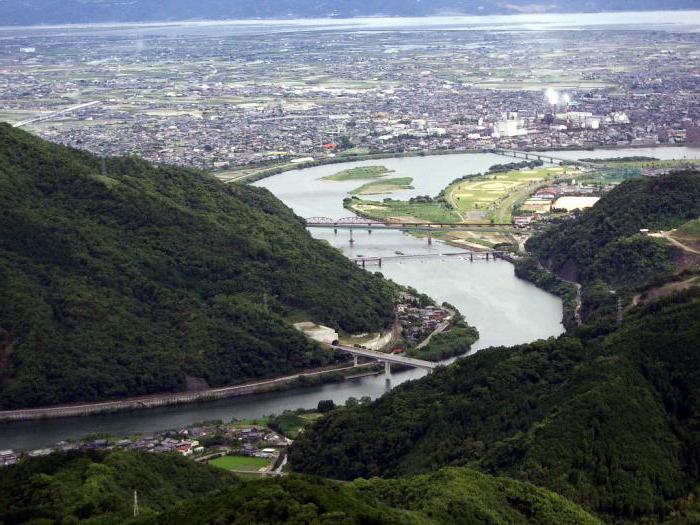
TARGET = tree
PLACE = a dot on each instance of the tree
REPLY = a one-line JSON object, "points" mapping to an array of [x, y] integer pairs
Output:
{"points": [[325, 405]]}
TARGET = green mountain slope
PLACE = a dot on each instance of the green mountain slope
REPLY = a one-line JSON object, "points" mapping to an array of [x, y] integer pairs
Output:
{"points": [[126, 283], [604, 242], [97, 488], [447, 497], [608, 419]]}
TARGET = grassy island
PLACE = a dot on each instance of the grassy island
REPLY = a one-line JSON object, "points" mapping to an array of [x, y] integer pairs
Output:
{"points": [[384, 186], [360, 173]]}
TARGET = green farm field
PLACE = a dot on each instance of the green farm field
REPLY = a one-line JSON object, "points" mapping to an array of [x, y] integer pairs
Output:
{"points": [[403, 210], [478, 199]]}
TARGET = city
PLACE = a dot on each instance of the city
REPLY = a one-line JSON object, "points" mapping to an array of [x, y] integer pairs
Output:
{"points": [[221, 103]]}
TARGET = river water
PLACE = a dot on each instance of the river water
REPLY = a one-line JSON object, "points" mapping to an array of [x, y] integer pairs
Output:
{"points": [[506, 310]]}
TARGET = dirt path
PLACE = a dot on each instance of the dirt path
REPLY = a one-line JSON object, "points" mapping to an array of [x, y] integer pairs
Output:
{"points": [[664, 291], [675, 242]]}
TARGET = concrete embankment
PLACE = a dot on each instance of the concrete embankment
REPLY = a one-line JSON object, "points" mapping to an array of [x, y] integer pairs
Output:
{"points": [[86, 409]]}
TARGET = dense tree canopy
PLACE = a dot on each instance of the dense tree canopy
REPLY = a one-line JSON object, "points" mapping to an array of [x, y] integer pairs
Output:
{"points": [[606, 235], [608, 418], [97, 488], [127, 281]]}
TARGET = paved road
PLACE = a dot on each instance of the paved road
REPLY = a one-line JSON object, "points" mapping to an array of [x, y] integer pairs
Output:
{"points": [[82, 409]]}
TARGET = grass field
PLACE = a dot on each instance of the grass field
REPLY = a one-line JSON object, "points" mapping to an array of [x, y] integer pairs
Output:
{"points": [[384, 186], [360, 173], [690, 229], [240, 463], [402, 210]]}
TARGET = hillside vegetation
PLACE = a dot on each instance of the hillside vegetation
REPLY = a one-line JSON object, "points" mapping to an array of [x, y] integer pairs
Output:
{"points": [[608, 419], [130, 281], [97, 488], [604, 243]]}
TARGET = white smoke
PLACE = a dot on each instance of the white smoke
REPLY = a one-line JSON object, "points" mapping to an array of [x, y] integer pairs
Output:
{"points": [[552, 96]]}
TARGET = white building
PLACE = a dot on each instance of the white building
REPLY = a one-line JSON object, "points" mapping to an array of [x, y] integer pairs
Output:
{"points": [[509, 126]]}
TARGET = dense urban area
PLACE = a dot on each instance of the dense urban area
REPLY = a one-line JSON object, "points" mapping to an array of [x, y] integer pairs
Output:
{"points": [[224, 102]]}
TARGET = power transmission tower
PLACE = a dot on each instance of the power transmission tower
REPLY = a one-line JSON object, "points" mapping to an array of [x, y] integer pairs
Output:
{"points": [[619, 310], [103, 167], [136, 504]]}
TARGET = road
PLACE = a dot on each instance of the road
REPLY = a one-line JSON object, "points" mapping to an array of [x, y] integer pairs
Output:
{"points": [[49, 116], [83, 409], [440, 328], [388, 358]]}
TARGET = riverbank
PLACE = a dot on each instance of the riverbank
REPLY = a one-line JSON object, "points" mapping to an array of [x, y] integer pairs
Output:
{"points": [[308, 378], [529, 269], [251, 173]]}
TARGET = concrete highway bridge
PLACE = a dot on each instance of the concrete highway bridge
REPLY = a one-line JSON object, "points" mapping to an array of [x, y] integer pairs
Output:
{"points": [[387, 359], [49, 116], [528, 155]]}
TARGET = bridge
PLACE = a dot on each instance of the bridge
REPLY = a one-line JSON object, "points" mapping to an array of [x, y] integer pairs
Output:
{"points": [[387, 359], [465, 256], [528, 155], [49, 116], [361, 223]]}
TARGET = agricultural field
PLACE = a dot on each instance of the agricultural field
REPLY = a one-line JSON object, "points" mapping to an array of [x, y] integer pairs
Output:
{"points": [[488, 198], [384, 186], [240, 463], [648, 163], [360, 173]]}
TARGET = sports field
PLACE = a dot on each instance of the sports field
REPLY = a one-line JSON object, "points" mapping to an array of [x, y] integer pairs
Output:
{"points": [[495, 194], [240, 463]]}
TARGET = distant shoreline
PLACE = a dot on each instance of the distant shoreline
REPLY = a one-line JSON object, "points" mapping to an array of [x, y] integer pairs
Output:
{"points": [[333, 21], [285, 166]]}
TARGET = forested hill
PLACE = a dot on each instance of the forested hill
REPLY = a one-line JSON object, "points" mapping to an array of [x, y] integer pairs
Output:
{"points": [[608, 419], [604, 243], [29, 12], [126, 282], [97, 488]]}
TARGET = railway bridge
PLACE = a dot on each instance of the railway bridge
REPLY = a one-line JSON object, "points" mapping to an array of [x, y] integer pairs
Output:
{"points": [[464, 256], [360, 223]]}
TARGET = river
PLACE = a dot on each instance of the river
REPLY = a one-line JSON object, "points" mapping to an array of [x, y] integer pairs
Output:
{"points": [[506, 310]]}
